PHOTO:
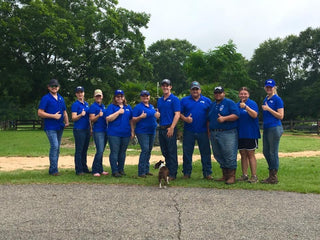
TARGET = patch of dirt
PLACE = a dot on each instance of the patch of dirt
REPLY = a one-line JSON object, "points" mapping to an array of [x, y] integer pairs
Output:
{"points": [[30, 163]]}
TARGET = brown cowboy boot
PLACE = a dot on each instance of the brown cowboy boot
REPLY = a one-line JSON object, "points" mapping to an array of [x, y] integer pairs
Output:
{"points": [[224, 175], [272, 179], [231, 176]]}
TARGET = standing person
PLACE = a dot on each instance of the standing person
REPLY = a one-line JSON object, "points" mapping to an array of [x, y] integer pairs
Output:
{"points": [[99, 132], [223, 115], [81, 131], [169, 108], [53, 109], [249, 133], [273, 113], [120, 129], [194, 110], [145, 117]]}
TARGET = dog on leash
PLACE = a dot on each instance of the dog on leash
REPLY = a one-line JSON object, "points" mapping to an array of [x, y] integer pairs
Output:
{"points": [[163, 173]]}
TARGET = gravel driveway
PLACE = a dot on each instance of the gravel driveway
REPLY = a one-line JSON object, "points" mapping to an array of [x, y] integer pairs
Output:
{"points": [[80, 211]]}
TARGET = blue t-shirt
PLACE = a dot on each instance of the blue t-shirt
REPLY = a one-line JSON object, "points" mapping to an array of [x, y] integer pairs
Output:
{"points": [[198, 110], [146, 125], [224, 108], [50, 105], [83, 122], [120, 127], [275, 103], [248, 127], [100, 125], [167, 109]]}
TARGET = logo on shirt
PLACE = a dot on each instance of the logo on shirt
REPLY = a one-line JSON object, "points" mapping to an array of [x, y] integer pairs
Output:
{"points": [[221, 108], [271, 101], [202, 101], [169, 100], [127, 110]]}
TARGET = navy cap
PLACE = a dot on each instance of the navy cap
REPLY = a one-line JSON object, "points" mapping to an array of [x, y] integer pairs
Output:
{"points": [[79, 89], [53, 82], [118, 92], [144, 92], [166, 81], [218, 89], [269, 83], [195, 84]]}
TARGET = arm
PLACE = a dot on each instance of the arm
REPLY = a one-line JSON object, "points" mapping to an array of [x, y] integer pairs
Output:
{"points": [[186, 119], [43, 114], [94, 118], [279, 114], [252, 113], [75, 117], [114, 115], [66, 118], [173, 124], [229, 118], [132, 128], [137, 119]]}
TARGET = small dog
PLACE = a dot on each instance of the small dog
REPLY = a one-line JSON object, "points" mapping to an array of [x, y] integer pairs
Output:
{"points": [[163, 173]]}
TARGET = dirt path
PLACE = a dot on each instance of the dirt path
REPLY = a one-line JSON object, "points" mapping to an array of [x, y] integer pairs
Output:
{"points": [[28, 163]]}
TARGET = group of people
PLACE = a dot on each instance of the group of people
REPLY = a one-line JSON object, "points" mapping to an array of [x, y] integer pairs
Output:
{"points": [[229, 126]]}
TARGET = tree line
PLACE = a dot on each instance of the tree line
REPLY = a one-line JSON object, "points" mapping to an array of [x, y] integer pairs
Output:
{"points": [[96, 44]]}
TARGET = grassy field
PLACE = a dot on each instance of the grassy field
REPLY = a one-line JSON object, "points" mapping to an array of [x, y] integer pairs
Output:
{"points": [[296, 174]]}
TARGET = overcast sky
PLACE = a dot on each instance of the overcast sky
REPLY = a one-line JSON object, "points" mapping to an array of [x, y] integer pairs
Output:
{"points": [[211, 23]]}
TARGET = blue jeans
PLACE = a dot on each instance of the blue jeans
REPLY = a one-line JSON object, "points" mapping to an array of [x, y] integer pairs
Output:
{"points": [[189, 139], [81, 139], [169, 150], [118, 148], [225, 147], [54, 137], [271, 141], [100, 140], [146, 143]]}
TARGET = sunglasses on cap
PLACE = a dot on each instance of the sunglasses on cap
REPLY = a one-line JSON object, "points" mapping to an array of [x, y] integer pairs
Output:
{"points": [[54, 86]]}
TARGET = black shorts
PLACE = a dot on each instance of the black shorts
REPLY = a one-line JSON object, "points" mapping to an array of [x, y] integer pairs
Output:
{"points": [[247, 144]]}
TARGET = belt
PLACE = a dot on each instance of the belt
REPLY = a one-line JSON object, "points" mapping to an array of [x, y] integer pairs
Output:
{"points": [[165, 126], [218, 130]]}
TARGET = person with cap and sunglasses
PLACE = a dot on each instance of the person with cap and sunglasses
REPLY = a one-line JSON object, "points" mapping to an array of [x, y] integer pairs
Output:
{"points": [[273, 113], [169, 108], [145, 117], [223, 116], [99, 132], [81, 131], [120, 130], [53, 109], [194, 110]]}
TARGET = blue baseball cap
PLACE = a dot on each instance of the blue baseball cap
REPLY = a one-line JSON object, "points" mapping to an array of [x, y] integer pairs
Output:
{"points": [[79, 89], [269, 83], [195, 84], [144, 92], [118, 92]]}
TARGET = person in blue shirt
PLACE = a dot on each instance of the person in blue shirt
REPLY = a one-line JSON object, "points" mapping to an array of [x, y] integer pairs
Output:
{"points": [[249, 133], [99, 132], [194, 110], [223, 116], [169, 108], [81, 131], [53, 109], [120, 130], [273, 113], [145, 117]]}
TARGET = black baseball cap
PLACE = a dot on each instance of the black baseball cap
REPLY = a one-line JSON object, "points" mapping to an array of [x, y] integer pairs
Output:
{"points": [[166, 81]]}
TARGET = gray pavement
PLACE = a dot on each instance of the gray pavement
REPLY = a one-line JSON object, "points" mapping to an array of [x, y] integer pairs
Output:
{"points": [[81, 211]]}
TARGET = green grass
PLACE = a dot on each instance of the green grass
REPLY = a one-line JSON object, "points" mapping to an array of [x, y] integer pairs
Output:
{"points": [[296, 175]]}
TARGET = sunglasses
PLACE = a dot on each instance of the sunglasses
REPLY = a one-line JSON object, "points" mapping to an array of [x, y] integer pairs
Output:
{"points": [[54, 86], [121, 96]]}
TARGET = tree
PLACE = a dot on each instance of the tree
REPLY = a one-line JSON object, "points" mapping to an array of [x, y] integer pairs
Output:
{"points": [[168, 57]]}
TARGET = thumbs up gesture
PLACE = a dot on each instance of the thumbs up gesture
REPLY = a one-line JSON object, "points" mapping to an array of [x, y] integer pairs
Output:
{"points": [[242, 104], [189, 119], [143, 115], [121, 110], [220, 118], [83, 113], [265, 107], [157, 114], [101, 113], [57, 115]]}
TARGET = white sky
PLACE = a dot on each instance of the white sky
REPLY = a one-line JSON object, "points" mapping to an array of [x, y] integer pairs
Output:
{"points": [[208, 24]]}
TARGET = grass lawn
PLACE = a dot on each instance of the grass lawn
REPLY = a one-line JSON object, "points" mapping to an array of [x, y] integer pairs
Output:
{"points": [[296, 174]]}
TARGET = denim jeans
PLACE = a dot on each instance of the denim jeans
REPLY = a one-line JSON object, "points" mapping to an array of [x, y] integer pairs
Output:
{"points": [[100, 140], [169, 150], [189, 139], [118, 148], [271, 141], [146, 143], [81, 139], [225, 147], [54, 137]]}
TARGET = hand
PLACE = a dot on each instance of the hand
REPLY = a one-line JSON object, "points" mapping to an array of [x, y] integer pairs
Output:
{"points": [[220, 118], [57, 115], [265, 107], [121, 110], [132, 135], [157, 114], [189, 119], [170, 132], [143, 115], [242, 104], [83, 113], [66, 125], [100, 113]]}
